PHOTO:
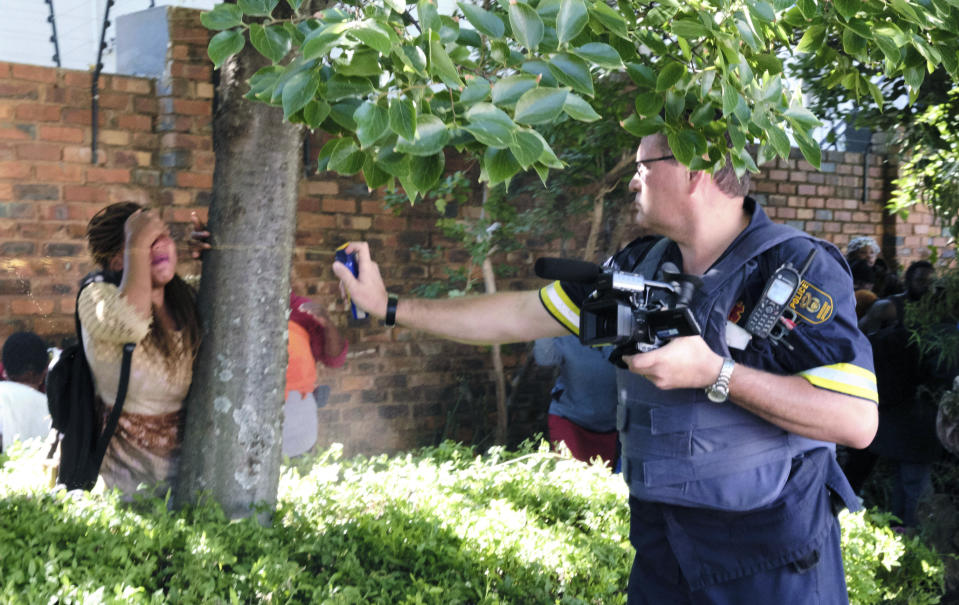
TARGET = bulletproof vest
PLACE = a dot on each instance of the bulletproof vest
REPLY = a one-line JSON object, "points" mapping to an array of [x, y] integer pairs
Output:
{"points": [[680, 448]]}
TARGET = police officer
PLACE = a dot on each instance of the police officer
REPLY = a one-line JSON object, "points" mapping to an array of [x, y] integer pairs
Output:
{"points": [[728, 441]]}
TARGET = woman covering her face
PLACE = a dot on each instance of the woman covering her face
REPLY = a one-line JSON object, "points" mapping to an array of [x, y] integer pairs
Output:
{"points": [[155, 308]]}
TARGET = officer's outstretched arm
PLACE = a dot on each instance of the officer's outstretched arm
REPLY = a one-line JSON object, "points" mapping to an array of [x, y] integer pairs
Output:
{"points": [[495, 318], [790, 402]]}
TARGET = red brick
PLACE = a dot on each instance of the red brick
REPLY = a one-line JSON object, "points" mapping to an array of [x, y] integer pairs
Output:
{"points": [[135, 122], [138, 86], [81, 154], [82, 117], [79, 79], [333, 204], [31, 306], [204, 161], [107, 175], [61, 173], [77, 193], [21, 132], [192, 108], [34, 73], [14, 170], [115, 100], [67, 212], [807, 190], [63, 134], [5, 69], [114, 137], [40, 151], [33, 112], [18, 90], [146, 105], [200, 180]]}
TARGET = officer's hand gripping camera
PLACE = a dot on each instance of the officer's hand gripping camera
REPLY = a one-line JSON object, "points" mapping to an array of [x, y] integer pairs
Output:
{"points": [[627, 310]]}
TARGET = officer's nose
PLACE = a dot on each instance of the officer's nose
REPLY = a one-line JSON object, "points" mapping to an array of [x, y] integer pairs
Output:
{"points": [[635, 185]]}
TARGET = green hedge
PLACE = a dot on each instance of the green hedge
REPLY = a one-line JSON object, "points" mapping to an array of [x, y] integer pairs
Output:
{"points": [[441, 525]]}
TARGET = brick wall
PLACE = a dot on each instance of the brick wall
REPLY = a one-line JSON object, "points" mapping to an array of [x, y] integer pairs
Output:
{"points": [[398, 388]]}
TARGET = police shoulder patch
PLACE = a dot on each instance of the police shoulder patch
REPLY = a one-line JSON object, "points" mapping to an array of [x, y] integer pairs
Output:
{"points": [[812, 304]]}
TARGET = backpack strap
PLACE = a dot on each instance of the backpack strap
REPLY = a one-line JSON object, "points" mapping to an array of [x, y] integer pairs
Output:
{"points": [[114, 418]]}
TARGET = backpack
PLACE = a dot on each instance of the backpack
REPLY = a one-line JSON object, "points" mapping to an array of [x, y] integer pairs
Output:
{"points": [[75, 409]]}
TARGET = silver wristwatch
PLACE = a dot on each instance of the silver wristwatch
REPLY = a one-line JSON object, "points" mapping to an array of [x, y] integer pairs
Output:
{"points": [[719, 390]]}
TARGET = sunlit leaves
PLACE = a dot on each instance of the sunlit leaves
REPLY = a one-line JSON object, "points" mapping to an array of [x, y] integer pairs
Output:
{"points": [[298, 91], [257, 8], [402, 118], [372, 122], [571, 20], [223, 16], [540, 105], [526, 24], [572, 71], [578, 109], [508, 90], [430, 137], [485, 22], [272, 42], [224, 45]]}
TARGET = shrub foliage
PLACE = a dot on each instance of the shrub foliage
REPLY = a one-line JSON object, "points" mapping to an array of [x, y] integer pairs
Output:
{"points": [[440, 525]]}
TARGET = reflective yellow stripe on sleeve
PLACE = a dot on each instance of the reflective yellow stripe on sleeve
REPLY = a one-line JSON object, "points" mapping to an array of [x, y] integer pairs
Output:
{"points": [[844, 378], [558, 304]]}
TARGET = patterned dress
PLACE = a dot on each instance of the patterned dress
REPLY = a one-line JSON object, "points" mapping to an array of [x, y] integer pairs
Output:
{"points": [[146, 445]]}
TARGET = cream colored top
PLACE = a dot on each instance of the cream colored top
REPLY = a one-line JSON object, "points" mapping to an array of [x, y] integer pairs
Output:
{"points": [[146, 445]]}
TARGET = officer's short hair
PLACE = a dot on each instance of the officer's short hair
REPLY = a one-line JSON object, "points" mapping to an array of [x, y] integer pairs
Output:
{"points": [[24, 353]]}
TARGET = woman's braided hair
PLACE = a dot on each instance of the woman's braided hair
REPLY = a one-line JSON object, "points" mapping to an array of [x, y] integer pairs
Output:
{"points": [[106, 236]]}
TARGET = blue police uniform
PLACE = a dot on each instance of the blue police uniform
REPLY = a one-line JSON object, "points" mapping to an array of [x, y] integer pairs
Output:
{"points": [[724, 505]]}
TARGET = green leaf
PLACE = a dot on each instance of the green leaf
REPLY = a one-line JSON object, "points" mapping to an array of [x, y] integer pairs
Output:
{"points": [[449, 29], [223, 16], [528, 148], [398, 6], [485, 22], [540, 105], [600, 54], [425, 171], [671, 73], [409, 188], [888, 46], [809, 148], [315, 112], [809, 8], [609, 18], [441, 66], [779, 140], [748, 35], [547, 158], [431, 136], [577, 108], [686, 144], [688, 28], [527, 26], [541, 69], [477, 89], [812, 40], [571, 20], [649, 103], [490, 125], [702, 115], [294, 4], [675, 105], [298, 91], [506, 91], [396, 164], [639, 127], [429, 17], [346, 158], [272, 42], [402, 118], [499, 165], [372, 34], [342, 113], [320, 42], [323, 157], [372, 122], [257, 8], [853, 44], [572, 71], [363, 62], [762, 10], [803, 117], [374, 175], [343, 87], [413, 57], [224, 45]]}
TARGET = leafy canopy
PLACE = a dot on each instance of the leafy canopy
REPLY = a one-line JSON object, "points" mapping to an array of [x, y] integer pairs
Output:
{"points": [[398, 83]]}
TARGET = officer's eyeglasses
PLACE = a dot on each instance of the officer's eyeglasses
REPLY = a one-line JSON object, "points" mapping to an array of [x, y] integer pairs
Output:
{"points": [[642, 164]]}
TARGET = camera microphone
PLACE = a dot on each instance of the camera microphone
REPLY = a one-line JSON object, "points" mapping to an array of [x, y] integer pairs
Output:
{"points": [[567, 270]]}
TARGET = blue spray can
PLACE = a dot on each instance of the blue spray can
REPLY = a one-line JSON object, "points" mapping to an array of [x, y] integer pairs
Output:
{"points": [[350, 261]]}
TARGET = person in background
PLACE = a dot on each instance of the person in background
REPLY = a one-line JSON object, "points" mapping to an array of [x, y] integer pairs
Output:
{"points": [[313, 338], [23, 406], [582, 413], [155, 308], [862, 276]]}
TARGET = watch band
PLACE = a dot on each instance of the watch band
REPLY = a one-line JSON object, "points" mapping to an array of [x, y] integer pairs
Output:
{"points": [[390, 319], [718, 392]]}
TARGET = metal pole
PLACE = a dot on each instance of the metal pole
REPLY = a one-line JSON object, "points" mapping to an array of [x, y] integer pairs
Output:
{"points": [[52, 20], [95, 86]]}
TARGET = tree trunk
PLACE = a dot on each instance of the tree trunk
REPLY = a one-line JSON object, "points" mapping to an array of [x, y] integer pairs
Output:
{"points": [[502, 413], [232, 446]]}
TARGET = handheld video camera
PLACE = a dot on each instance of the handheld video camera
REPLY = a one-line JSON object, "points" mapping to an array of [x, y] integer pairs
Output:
{"points": [[627, 310]]}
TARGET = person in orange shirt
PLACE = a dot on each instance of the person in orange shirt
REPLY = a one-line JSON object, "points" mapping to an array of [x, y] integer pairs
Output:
{"points": [[313, 338]]}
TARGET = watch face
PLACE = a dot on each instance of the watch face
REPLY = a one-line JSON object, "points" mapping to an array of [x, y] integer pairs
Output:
{"points": [[716, 395]]}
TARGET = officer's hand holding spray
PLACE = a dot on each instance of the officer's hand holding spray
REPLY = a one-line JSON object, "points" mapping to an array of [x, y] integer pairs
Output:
{"points": [[349, 259], [637, 315]]}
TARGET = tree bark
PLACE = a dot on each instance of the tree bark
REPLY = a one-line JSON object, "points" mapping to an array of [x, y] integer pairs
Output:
{"points": [[232, 446]]}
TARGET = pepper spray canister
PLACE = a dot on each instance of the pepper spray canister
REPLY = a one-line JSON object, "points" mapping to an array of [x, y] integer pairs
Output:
{"points": [[349, 259]]}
